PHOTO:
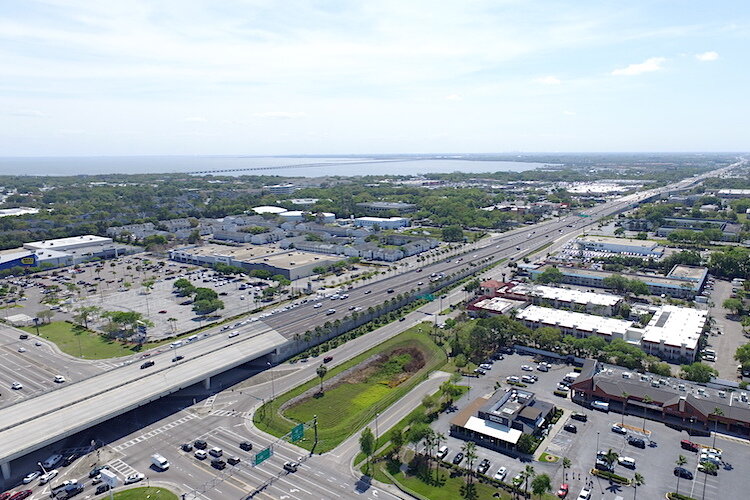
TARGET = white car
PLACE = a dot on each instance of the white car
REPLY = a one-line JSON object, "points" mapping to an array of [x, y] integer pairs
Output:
{"points": [[17, 386], [59, 379], [21, 349], [31, 476], [96, 479], [501, 473], [134, 478], [49, 476], [317, 306], [527, 368], [585, 494]]}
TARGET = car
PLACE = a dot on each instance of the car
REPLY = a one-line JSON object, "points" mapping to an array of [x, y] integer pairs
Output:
{"points": [[102, 488], [542, 367], [442, 452], [390, 290], [706, 469], [70, 459], [570, 428], [233, 460], [626, 462], [527, 368], [177, 358], [637, 442], [619, 429], [485, 366], [23, 336], [585, 494], [20, 495], [21, 349], [234, 334], [246, 445], [218, 463], [420, 283], [96, 479], [501, 473], [31, 476], [96, 470], [200, 444], [527, 379], [147, 364], [200, 454], [368, 292], [163, 311], [48, 476], [186, 447], [17, 386], [562, 492], [513, 379], [581, 417], [682, 472], [457, 459], [59, 379], [134, 478], [689, 445], [317, 306], [483, 466], [479, 371], [291, 466], [216, 451]]}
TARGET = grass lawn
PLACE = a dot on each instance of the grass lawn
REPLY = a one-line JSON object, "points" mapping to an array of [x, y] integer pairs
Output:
{"points": [[80, 342], [152, 493], [346, 408]]}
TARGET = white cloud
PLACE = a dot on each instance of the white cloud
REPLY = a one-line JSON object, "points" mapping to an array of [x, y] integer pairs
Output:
{"points": [[454, 97], [195, 119], [548, 80], [707, 56], [569, 113], [649, 65], [29, 113], [279, 115]]}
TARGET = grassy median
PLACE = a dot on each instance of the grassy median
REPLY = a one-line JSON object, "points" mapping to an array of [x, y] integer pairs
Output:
{"points": [[354, 400], [151, 493], [81, 343]]}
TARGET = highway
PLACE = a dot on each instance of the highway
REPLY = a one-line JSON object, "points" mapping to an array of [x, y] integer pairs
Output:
{"points": [[35, 422]]}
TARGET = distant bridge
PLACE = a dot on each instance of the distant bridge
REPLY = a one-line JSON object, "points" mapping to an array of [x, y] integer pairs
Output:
{"points": [[299, 165]]}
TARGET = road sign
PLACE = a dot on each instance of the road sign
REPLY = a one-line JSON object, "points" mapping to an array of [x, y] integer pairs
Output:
{"points": [[262, 456], [298, 431]]}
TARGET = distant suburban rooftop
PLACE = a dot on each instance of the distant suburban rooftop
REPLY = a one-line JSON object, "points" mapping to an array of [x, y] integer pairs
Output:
{"points": [[493, 429], [646, 278], [267, 209], [260, 254], [691, 273], [381, 219], [567, 295], [386, 204], [648, 244], [736, 192], [303, 201], [6, 212], [497, 304], [575, 320], [88, 239]]}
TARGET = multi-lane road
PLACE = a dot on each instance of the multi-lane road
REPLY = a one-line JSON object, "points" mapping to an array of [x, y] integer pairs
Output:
{"points": [[300, 319]]}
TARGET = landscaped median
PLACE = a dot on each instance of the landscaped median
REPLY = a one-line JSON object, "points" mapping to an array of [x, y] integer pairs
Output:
{"points": [[151, 493], [354, 391], [80, 342]]}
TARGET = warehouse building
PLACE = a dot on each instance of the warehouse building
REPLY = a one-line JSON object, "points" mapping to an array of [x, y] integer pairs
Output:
{"points": [[16, 257], [77, 249], [382, 222], [579, 324], [621, 246], [376, 207], [564, 298], [290, 264]]}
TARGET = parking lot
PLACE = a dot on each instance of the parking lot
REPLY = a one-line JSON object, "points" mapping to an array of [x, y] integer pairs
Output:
{"points": [[655, 462]]}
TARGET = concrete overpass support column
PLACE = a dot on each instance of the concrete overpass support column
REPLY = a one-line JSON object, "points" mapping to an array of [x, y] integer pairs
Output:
{"points": [[207, 383], [5, 468]]}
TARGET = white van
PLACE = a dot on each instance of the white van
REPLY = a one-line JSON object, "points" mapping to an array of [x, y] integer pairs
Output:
{"points": [[627, 462], [442, 452], [600, 405], [160, 462], [51, 461], [191, 338], [176, 343]]}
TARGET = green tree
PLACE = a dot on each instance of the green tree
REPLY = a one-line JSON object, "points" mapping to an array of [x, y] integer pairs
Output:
{"points": [[550, 275], [397, 440], [366, 440], [321, 371], [734, 305], [698, 372], [611, 457], [453, 233], [527, 474], [205, 294], [742, 355], [541, 485], [638, 480], [84, 314], [616, 282], [207, 306], [681, 460], [637, 287]]}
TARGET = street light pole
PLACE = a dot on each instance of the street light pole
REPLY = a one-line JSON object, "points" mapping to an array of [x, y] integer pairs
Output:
{"points": [[273, 391], [376, 429]]}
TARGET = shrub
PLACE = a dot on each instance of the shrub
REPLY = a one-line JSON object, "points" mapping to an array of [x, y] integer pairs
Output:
{"points": [[611, 476]]}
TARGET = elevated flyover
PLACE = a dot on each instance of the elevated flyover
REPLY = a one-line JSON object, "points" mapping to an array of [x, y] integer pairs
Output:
{"points": [[34, 423]]}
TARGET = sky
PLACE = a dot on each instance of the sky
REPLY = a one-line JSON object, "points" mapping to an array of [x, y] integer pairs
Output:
{"points": [[262, 77]]}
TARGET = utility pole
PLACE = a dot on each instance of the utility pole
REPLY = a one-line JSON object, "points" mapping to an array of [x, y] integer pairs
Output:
{"points": [[315, 429], [273, 391]]}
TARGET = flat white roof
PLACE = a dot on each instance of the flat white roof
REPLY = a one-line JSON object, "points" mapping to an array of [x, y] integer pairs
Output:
{"points": [[493, 429], [497, 304], [648, 244], [267, 209], [571, 319], [564, 294], [675, 326], [62, 243], [381, 219]]}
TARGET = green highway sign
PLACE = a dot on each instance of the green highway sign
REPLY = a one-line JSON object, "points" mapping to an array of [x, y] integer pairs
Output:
{"points": [[262, 456], [298, 431]]}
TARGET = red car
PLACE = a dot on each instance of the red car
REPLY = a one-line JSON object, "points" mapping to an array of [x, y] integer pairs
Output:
{"points": [[21, 495], [162, 312], [5, 496], [689, 445], [563, 491]]}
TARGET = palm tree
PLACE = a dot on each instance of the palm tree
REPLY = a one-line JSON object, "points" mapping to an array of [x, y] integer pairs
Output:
{"points": [[681, 460], [637, 481], [321, 371], [439, 441], [528, 473], [470, 451], [646, 399], [566, 464], [541, 485], [429, 445], [718, 412], [611, 457], [708, 468]]}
